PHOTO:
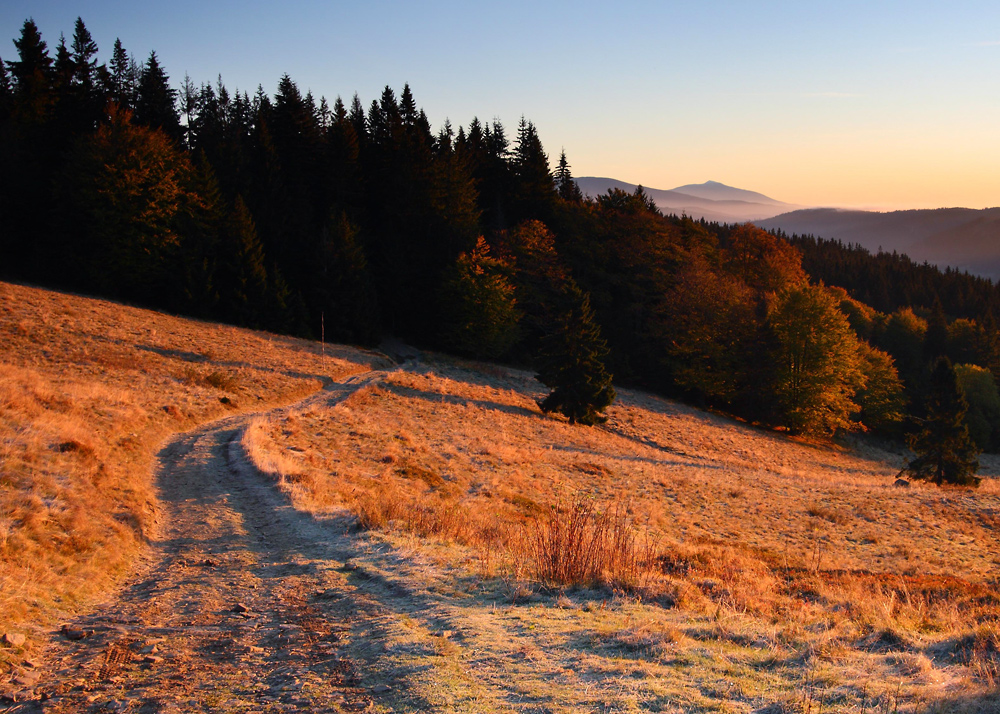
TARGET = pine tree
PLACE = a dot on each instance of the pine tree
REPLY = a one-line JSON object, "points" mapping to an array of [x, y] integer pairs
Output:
{"points": [[571, 361], [156, 101], [123, 77], [566, 185], [945, 453]]}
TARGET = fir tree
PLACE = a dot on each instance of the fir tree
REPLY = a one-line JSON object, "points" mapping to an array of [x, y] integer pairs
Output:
{"points": [[123, 76], [571, 361], [566, 185], [156, 101], [945, 453]]}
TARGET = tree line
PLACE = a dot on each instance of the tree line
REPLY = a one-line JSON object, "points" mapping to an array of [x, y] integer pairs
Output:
{"points": [[280, 211]]}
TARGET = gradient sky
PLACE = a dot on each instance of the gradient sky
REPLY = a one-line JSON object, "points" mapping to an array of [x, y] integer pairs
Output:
{"points": [[871, 104]]}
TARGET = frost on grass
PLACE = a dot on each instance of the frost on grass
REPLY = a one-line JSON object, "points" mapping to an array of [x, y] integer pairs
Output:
{"points": [[724, 562]]}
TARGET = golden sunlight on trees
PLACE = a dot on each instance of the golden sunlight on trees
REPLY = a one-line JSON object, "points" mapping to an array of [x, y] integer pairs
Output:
{"points": [[819, 361], [128, 184], [709, 319], [882, 402], [480, 311], [761, 260], [983, 416]]}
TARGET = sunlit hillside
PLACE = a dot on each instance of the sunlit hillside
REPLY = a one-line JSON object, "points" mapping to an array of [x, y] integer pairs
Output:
{"points": [[667, 560], [88, 391], [730, 568]]}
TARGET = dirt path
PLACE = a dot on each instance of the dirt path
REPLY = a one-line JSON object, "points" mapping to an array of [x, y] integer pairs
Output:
{"points": [[243, 605]]}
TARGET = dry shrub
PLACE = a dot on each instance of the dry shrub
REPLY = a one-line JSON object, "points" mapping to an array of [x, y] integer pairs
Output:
{"points": [[225, 381], [582, 545], [827, 514]]}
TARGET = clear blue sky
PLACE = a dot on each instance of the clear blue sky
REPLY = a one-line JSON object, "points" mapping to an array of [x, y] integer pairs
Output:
{"points": [[877, 104]]}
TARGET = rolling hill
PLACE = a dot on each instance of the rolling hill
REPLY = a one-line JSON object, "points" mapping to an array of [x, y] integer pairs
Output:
{"points": [[963, 238], [711, 200]]}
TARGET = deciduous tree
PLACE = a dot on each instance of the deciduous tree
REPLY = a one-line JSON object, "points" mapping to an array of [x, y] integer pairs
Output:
{"points": [[480, 311], [818, 362]]}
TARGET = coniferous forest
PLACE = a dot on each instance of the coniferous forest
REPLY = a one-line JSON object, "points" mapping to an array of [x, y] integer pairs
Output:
{"points": [[285, 212]]}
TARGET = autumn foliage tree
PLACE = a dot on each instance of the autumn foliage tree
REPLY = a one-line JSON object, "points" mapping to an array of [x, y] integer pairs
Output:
{"points": [[819, 362], [127, 186], [479, 306]]}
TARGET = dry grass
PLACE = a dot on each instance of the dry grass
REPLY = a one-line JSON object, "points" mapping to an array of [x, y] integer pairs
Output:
{"points": [[88, 391], [802, 563]]}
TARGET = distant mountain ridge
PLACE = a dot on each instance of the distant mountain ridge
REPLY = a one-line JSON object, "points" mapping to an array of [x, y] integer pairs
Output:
{"points": [[711, 200], [963, 238]]}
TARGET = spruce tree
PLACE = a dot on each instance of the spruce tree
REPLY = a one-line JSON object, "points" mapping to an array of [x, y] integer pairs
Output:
{"points": [[534, 189], [571, 361], [566, 185], [123, 76], [945, 453], [85, 69], [243, 276], [156, 103], [32, 76]]}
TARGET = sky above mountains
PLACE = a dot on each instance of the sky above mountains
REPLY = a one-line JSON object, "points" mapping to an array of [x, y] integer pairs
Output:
{"points": [[875, 105]]}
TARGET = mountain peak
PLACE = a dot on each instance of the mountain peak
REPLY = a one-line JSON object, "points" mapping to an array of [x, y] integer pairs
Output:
{"points": [[711, 200], [716, 191]]}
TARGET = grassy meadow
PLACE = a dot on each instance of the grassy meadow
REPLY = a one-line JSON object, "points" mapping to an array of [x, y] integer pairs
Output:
{"points": [[89, 390], [671, 559]]}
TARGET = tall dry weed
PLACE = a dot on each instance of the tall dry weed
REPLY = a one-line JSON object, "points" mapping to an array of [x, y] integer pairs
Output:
{"points": [[584, 545]]}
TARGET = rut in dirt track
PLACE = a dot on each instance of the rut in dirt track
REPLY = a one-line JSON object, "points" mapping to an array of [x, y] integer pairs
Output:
{"points": [[240, 607]]}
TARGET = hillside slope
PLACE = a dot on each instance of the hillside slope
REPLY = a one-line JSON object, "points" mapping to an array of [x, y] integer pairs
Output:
{"points": [[962, 238], [423, 538], [88, 391]]}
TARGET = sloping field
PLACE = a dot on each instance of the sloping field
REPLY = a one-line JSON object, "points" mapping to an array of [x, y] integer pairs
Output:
{"points": [[88, 391], [453, 549], [737, 569]]}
